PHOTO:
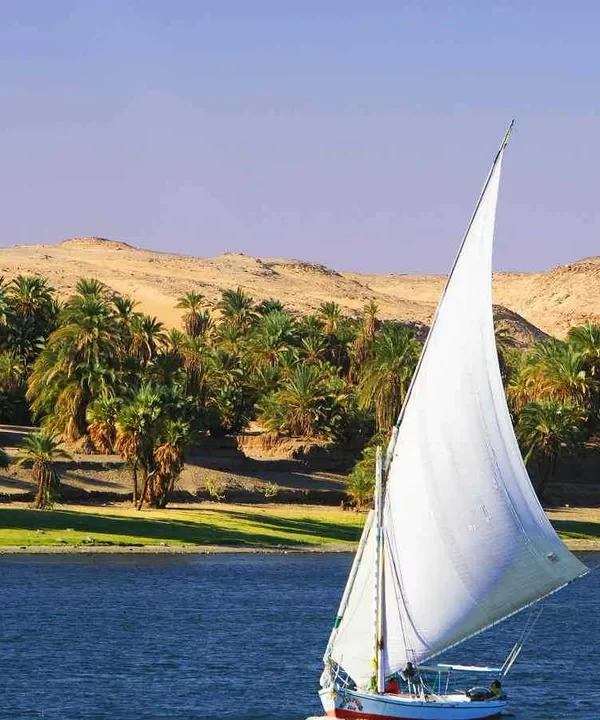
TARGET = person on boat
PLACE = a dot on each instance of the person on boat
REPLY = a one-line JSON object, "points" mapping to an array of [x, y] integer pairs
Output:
{"points": [[392, 686], [409, 674], [496, 690]]}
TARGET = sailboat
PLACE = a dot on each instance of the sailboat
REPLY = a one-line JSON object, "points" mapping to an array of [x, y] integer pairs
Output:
{"points": [[457, 540]]}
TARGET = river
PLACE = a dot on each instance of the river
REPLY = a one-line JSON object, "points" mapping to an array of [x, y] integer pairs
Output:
{"points": [[191, 637]]}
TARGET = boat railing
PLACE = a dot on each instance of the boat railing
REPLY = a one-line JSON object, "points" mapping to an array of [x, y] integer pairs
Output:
{"points": [[443, 671]]}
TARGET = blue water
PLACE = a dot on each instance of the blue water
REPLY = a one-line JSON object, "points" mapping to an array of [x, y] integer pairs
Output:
{"points": [[237, 637]]}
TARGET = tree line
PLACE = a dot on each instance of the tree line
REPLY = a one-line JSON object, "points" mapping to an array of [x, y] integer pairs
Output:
{"points": [[95, 369]]}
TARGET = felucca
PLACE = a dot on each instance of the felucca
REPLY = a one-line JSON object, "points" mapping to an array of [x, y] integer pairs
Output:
{"points": [[457, 540]]}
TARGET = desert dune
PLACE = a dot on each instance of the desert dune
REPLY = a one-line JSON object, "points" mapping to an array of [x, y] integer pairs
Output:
{"points": [[550, 302]]}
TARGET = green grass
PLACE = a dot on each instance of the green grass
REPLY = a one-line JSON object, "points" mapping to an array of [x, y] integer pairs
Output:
{"points": [[213, 524], [577, 529], [240, 526]]}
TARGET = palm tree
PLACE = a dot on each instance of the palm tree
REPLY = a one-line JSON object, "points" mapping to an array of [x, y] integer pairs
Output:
{"points": [[147, 336], [14, 408], [230, 338], [385, 378], [330, 314], [288, 362], [553, 370], [43, 450], [136, 427], [521, 386], [228, 392], [586, 341], [166, 367], [341, 343], [5, 306], [237, 309], [6, 314], [79, 364], [12, 371], [300, 406], [505, 348], [30, 295], [101, 416], [270, 305], [151, 435], [31, 312], [91, 310], [128, 443], [274, 334], [91, 287], [175, 340], [313, 349], [563, 375], [310, 326], [124, 311], [266, 379], [26, 337], [362, 347], [196, 360], [339, 332], [206, 325], [168, 459], [548, 430], [191, 303], [124, 306]]}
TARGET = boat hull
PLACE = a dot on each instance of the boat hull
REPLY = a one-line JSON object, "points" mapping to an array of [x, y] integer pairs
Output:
{"points": [[343, 703]]}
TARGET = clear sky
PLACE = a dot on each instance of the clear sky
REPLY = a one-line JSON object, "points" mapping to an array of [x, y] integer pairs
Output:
{"points": [[352, 133]]}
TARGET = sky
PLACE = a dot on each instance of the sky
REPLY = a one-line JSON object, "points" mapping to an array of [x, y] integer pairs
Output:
{"points": [[352, 133]]}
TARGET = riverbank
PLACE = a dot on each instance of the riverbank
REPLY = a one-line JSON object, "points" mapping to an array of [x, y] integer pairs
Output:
{"points": [[173, 550], [218, 528], [198, 528]]}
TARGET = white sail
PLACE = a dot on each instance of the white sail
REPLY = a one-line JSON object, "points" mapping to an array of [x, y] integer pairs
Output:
{"points": [[466, 540], [352, 643]]}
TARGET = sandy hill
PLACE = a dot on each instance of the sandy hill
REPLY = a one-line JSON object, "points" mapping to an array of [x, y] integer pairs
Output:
{"points": [[526, 302]]}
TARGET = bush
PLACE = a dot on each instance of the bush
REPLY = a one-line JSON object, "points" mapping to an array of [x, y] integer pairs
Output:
{"points": [[270, 490], [360, 485], [215, 486]]}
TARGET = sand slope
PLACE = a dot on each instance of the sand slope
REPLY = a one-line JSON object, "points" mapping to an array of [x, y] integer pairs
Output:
{"points": [[551, 301]]}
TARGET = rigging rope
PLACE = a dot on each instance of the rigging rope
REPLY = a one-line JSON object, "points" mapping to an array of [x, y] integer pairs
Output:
{"points": [[518, 646]]}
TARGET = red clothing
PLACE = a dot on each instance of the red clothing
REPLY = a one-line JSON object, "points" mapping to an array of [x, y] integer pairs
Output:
{"points": [[392, 686]]}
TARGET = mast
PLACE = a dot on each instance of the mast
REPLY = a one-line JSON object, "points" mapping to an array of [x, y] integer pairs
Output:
{"points": [[392, 444], [379, 583]]}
